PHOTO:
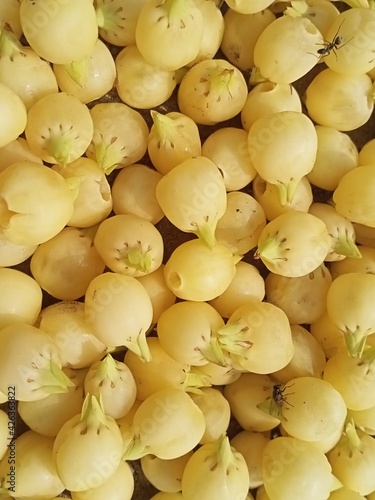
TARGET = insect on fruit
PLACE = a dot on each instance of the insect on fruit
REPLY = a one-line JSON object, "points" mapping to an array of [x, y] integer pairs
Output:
{"points": [[336, 44], [278, 395]]}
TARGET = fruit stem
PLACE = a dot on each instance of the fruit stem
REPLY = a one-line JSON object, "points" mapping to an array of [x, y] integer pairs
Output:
{"points": [[223, 452], [206, 233], [47, 375], [53, 379], [10, 46], [353, 440], [269, 250], [345, 245], [108, 18], [78, 71], [165, 127], [136, 258], [60, 146], [213, 352], [139, 346], [194, 381], [92, 413], [355, 342], [135, 450], [109, 156], [286, 191], [221, 81], [233, 338], [176, 10], [107, 369]]}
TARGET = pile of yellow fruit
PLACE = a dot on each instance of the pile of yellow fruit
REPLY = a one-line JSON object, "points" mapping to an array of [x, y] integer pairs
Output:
{"points": [[187, 249]]}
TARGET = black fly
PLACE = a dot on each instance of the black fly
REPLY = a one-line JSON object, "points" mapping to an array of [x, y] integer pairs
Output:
{"points": [[274, 405], [278, 395]]}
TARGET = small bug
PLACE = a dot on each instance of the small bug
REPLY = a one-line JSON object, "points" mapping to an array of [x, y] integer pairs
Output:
{"points": [[333, 46], [278, 395]]}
